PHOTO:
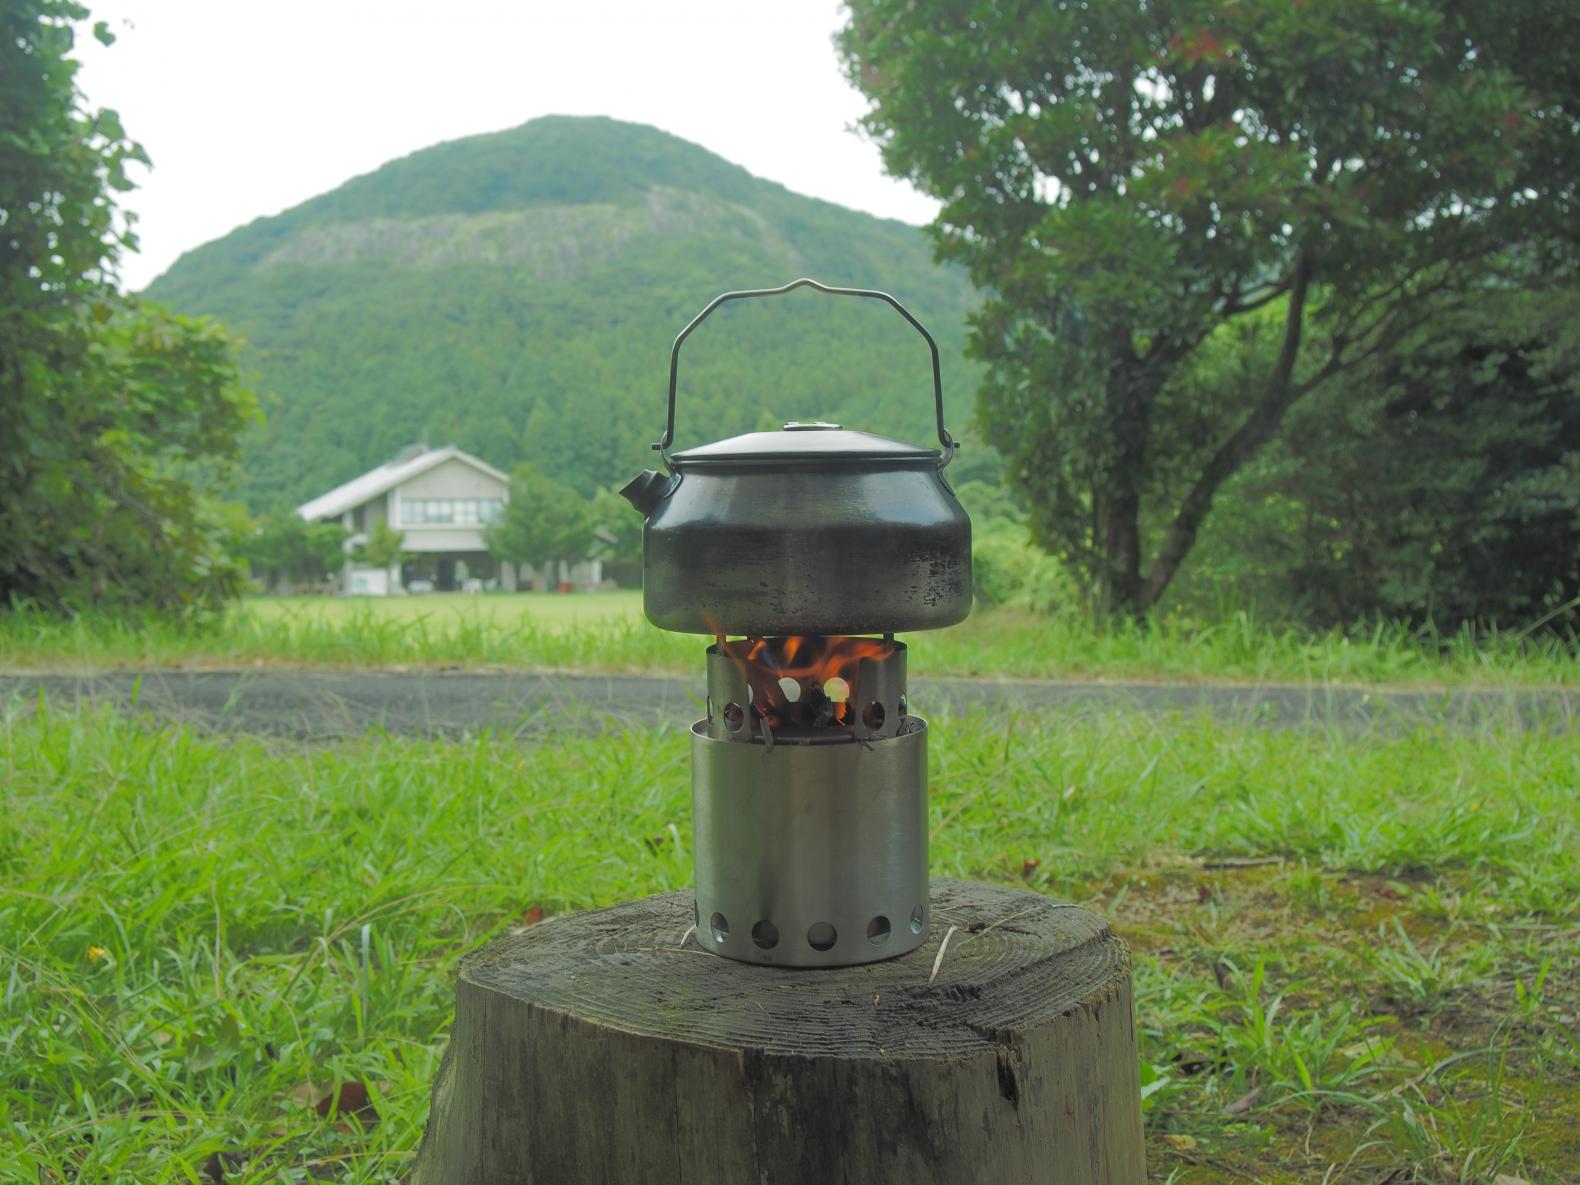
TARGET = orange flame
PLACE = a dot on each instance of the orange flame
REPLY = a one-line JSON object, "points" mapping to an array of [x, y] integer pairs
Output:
{"points": [[807, 682]]}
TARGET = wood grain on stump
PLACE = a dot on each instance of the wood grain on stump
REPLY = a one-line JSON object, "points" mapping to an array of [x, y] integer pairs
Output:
{"points": [[607, 1047]]}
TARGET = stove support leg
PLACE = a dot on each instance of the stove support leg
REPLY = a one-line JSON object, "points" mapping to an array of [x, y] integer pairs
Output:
{"points": [[599, 1048]]}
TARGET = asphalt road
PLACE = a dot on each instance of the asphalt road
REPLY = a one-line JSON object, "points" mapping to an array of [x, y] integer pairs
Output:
{"points": [[333, 705]]}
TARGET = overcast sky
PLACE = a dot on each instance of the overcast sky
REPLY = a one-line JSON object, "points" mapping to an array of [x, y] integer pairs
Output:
{"points": [[248, 108]]}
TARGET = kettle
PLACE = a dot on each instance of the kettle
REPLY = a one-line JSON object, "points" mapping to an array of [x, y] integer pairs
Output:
{"points": [[811, 529]]}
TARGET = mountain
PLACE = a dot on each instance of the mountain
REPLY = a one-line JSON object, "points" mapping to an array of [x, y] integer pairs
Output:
{"points": [[516, 294]]}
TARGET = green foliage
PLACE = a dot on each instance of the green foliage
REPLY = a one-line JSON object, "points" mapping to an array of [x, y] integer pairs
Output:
{"points": [[617, 537], [1440, 486], [60, 167], [1315, 1059], [384, 545], [1449, 1134], [543, 521], [1121, 180], [1418, 975], [986, 502], [111, 453], [517, 293], [1007, 567], [119, 416], [281, 545]]}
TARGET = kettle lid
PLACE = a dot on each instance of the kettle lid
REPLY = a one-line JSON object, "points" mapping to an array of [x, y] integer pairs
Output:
{"points": [[813, 441]]}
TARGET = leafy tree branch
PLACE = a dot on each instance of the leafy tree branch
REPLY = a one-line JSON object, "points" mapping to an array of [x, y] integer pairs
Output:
{"points": [[1123, 183]]}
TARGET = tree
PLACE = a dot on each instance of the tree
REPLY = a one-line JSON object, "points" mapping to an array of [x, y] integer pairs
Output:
{"points": [[617, 536], [118, 417], [282, 545], [385, 545], [1121, 180], [543, 521], [1441, 486]]}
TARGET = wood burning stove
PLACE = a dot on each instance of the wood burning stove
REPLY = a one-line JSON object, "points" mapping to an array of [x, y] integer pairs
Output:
{"points": [[802, 552], [598, 1048]]}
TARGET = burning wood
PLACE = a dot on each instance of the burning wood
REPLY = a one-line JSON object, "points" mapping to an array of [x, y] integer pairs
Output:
{"points": [[805, 682]]}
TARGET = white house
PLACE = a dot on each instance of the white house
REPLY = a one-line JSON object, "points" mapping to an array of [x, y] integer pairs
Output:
{"points": [[439, 500]]}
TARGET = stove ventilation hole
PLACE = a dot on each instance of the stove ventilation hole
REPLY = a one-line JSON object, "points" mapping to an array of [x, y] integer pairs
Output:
{"points": [[821, 936], [878, 930], [837, 689], [873, 715], [721, 927], [734, 717], [791, 689], [916, 920], [766, 935]]}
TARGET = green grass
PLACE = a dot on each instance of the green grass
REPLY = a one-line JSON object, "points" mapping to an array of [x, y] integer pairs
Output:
{"points": [[606, 632], [1356, 954]]}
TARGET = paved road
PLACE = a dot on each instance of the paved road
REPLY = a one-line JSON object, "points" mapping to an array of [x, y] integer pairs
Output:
{"points": [[329, 705]]}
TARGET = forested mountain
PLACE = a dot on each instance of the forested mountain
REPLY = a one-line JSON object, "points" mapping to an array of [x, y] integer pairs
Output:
{"points": [[516, 294]]}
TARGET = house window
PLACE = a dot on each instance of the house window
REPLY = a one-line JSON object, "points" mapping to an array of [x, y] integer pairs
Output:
{"points": [[469, 512]]}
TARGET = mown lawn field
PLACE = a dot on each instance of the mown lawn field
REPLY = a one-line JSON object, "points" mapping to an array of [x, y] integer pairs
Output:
{"points": [[606, 632], [1357, 954]]}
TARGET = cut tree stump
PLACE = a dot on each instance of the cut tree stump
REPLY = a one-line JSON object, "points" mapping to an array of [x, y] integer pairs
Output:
{"points": [[608, 1047]]}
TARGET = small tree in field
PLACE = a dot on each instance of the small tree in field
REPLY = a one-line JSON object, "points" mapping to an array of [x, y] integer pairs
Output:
{"points": [[617, 536], [384, 547], [543, 521], [1124, 179]]}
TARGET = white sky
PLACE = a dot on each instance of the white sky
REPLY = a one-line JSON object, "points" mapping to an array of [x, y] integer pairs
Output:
{"points": [[247, 108]]}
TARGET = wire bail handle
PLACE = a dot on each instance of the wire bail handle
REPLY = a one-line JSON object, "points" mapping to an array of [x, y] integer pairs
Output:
{"points": [[661, 446]]}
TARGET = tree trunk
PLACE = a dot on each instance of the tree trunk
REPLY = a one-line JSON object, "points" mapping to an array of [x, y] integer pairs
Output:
{"points": [[1278, 395], [607, 1047], [1132, 392]]}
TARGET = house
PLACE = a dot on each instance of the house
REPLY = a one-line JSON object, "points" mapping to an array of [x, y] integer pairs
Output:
{"points": [[439, 500]]}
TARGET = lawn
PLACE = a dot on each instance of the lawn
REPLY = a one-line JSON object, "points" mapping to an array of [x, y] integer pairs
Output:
{"points": [[554, 612], [1358, 955], [606, 632]]}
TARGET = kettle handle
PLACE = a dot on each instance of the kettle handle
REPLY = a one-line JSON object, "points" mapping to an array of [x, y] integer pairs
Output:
{"points": [[949, 443]]}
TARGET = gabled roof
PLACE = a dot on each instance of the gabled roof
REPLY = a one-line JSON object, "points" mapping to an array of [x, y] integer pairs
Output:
{"points": [[385, 478]]}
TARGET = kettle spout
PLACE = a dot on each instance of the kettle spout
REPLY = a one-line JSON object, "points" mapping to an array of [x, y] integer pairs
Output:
{"points": [[646, 490]]}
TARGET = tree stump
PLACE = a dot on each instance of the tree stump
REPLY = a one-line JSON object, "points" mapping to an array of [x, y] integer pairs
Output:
{"points": [[608, 1047]]}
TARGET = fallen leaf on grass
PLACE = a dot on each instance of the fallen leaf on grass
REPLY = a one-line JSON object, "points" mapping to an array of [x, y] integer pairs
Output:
{"points": [[353, 1096], [1509, 1179], [1244, 1103], [1180, 1142], [533, 916], [353, 1100], [1029, 866]]}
